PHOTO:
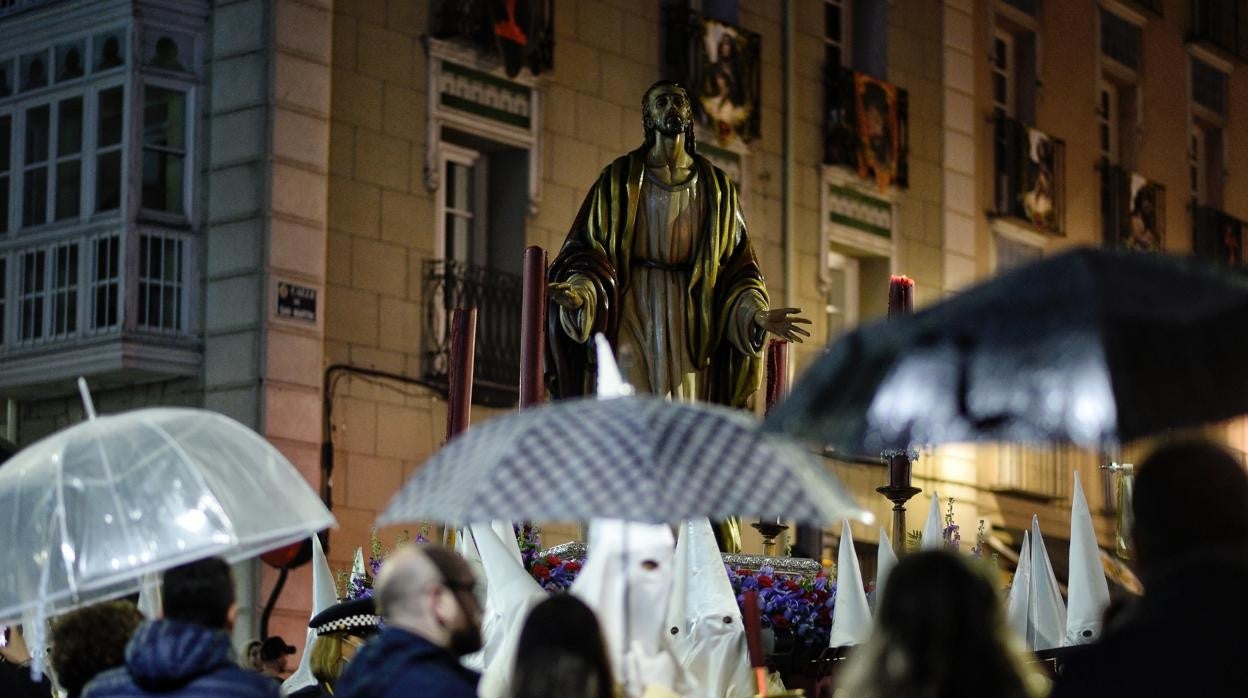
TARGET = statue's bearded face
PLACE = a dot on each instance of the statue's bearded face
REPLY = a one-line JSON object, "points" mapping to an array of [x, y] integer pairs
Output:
{"points": [[668, 110]]}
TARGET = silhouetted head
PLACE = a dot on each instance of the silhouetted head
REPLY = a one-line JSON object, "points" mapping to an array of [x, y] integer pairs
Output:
{"points": [[200, 592], [940, 632], [1188, 495], [561, 653]]}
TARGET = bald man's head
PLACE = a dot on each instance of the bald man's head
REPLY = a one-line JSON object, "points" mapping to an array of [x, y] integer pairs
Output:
{"points": [[427, 590]]}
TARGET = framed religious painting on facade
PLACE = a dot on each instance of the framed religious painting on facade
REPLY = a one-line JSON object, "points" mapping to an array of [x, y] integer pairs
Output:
{"points": [[1133, 210], [724, 80]]}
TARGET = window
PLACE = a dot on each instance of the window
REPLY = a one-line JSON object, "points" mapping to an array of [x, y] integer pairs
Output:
{"points": [[105, 282], [160, 282], [1013, 62], [1205, 163], [4, 290], [34, 67], [6, 78], [70, 60], [1208, 87], [109, 129], [1107, 116], [836, 21], [64, 289], [35, 172], [463, 205], [869, 44], [1120, 40], [1003, 73], [6, 143], [68, 186], [164, 149], [32, 292]]}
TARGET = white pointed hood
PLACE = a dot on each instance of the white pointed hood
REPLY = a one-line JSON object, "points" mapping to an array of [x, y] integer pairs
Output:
{"points": [[610, 382], [1087, 590], [703, 618], [933, 531], [1020, 592], [467, 549], [512, 593], [851, 617], [358, 575], [149, 603], [627, 581], [324, 595], [885, 561], [1047, 615]]}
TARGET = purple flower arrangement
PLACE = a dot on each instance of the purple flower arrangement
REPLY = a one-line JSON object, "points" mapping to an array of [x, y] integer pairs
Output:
{"points": [[789, 602]]}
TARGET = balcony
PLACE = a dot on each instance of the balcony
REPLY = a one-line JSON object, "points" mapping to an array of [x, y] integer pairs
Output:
{"points": [[1030, 170], [450, 284], [520, 37], [1217, 236], [117, 307], [1133, 210], [866, 127], [1221, 24]]}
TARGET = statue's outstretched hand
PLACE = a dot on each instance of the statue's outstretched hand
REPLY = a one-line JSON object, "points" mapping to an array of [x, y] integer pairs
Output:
{"points": [[568, 295], [783, 322]]}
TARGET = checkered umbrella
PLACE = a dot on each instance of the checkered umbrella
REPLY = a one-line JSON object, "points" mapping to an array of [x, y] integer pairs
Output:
{"points": [[635, 458]]}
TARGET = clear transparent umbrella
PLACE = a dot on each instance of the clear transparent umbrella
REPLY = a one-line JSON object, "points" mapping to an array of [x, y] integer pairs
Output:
{"points": [[86, 512]]}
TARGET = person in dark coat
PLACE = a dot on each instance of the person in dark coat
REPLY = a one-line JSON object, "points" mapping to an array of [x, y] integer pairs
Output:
{"points": [[188, 652], [1182, 638], [15, 680], [425, 593]]}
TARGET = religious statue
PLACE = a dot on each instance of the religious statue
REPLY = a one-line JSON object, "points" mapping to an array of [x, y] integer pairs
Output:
{"points": [[659, 260]]}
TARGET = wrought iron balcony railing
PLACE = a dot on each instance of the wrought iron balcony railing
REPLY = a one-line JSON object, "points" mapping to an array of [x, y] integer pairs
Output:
{"points": [[450, 284], [1217, 236], [1030, 174]]}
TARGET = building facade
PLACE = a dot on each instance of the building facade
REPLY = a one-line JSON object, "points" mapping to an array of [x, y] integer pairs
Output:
{"points": [[267, 208]]}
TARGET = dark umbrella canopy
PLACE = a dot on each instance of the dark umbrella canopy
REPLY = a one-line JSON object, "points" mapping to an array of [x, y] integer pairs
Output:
{"points": [[1093, 347], [634, 458]]}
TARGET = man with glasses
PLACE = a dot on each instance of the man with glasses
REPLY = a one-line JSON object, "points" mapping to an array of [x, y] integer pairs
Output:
{"points": [[432, 618]]}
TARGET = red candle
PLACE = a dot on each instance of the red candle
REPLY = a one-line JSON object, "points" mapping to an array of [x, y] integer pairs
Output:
{"points": [[900, 296]]}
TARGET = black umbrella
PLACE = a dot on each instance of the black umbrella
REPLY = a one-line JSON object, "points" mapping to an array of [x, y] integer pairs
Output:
{"points": [[1093, 347]]}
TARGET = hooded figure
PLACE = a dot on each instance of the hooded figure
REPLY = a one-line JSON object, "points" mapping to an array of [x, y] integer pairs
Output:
{"points": [[851, 619], [1047, 615], [1087, 592], [324, 595], [511, 594], [627, 581], [704, 620], [933, 531], [885, 561], [1020, 591]]}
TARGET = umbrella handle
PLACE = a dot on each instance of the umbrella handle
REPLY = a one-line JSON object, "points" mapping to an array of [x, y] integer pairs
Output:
{"points": [[88, 405]]}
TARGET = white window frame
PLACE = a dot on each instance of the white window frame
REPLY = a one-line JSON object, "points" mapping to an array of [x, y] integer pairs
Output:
{"points": [[845, 7], [467, 157], [1009, 71], [10, 172], [188, 88], [837, 262], [183, 282]]}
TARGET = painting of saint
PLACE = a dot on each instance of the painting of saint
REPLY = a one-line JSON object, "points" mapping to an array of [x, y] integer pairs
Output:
{"points": [[727, 67], [1039, 185], [878, 130]]}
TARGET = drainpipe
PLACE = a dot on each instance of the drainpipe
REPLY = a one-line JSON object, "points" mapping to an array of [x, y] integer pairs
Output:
{"points": [[787, 182]]}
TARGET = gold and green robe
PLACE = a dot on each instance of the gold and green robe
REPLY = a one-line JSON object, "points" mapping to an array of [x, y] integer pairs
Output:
{"points": [[724, 280]]}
